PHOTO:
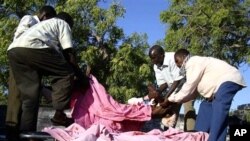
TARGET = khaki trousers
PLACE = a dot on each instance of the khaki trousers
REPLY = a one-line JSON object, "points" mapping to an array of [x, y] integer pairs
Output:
{"points": [[189, 116]]}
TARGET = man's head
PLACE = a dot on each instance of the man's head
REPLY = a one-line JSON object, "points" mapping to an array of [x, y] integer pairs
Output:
{"points": [[156, 54], [66, 17], [180, 56], [46, 12]]}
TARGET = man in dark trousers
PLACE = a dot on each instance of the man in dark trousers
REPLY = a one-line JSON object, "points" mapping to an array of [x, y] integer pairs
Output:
{"points": [[46, 49], [216, 81], [12, 120]]}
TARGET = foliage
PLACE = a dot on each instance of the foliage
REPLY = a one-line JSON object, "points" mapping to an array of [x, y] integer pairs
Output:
{"points": [[124, 71], [248, 116], [11, 12], [218, 28], [129, 69], [242, 114], [3, 99], [118, 62]]}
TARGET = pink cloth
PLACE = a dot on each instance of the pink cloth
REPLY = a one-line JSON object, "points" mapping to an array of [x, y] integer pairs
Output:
{"points": [[96, 106], [99, 132], [100, 118], [75, 132]]}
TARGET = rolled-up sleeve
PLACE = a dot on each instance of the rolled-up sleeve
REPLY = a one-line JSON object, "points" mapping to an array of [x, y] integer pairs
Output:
{"points": [[194, 73]]}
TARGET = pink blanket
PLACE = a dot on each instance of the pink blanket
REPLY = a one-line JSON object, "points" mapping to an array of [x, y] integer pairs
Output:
{"points": [[99, 132], [96, 106], [100, 118]]}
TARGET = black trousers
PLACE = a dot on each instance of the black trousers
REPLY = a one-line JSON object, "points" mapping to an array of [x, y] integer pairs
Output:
{"points": [[28, 67], [13, 110]]}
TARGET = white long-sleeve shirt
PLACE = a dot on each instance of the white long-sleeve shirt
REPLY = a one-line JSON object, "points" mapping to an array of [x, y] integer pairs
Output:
{"points": [[47, 34], [206, 74], [25, 23]]}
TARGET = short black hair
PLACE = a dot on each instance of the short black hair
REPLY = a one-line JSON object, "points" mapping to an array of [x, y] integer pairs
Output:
{"points": [[156, 48], [49, 11], [66, 17], [181, 52]]}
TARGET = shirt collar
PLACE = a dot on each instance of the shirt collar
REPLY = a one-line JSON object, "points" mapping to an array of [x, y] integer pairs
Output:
{"points": [[183, 69], [162, 67], [37, 19]]}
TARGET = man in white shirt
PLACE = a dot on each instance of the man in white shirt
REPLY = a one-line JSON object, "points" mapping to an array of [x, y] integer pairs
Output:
{"points": [[14, 101], [27, 21], [169, 80], [39, 52], [217, 82]]}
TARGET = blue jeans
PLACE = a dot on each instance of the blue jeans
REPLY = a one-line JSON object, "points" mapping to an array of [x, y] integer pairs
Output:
{"points": [[213, 116]]}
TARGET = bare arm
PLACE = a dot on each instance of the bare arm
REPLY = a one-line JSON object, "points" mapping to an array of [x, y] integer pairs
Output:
{"points": [[173, 88], [162, 88]]}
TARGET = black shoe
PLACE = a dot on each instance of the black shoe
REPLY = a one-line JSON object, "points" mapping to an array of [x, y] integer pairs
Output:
{"points": [[12, 133], [60, 119], [62, 122]]}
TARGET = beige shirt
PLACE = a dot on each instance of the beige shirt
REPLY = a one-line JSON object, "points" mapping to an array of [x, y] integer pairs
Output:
{"points": [[205, 74], [52, 33]]}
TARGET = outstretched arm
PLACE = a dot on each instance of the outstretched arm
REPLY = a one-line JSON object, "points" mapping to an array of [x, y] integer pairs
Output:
{"points": [[173, 87], [156, 93]]}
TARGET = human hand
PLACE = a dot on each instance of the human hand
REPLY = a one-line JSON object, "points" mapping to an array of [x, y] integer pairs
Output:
{"points": [[167, 104], [158, 111]]}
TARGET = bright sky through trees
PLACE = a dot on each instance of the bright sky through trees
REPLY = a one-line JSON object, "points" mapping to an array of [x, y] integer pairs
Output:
{"points": [[143, 16]]}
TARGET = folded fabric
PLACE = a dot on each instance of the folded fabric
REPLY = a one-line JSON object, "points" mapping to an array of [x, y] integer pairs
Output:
{"points": [[99, 117], [96, 106], [98, 132]]}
